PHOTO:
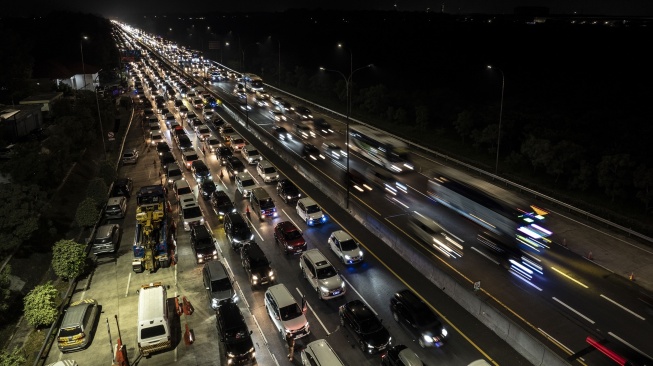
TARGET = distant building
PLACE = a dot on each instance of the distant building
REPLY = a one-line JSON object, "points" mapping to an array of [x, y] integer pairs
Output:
{"points": [[19, 121], [76, 75], [44, 100]]}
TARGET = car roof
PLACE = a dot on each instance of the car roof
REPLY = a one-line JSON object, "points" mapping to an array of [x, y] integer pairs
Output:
{"points": [[75, 313], [287, 226], [231, 315], [307, 201], [265, 164], [104, 231], [341, 235], [360, 310], [411, 300]]}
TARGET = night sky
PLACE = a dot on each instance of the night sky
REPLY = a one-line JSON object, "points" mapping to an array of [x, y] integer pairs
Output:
{"points": [[127, 8]]}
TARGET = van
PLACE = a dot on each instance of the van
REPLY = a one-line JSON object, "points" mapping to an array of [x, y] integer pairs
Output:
{"points": [[218, 284], [106, 239], [262, 203], [320, 353], [154, 332], [181, 188], [115, 208], [251, 154], [286, 314], [78, 325]]}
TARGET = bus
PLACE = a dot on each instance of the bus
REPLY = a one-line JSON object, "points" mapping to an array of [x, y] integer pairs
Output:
{"points": [[381, 149], [253, 82], [495, 209]]}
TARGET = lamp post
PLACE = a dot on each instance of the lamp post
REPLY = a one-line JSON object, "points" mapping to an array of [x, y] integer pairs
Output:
{"points": [[99, 116], [348, 109], [503, 84], [81, 51], [226, 44]]}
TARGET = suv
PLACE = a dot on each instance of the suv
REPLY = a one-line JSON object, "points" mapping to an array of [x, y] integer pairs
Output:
{"points": [[322, 276], [182, 189], [122, 187], [287, 316], [115, 208], [189, 157], [411, 312], [106, 239], [400, 355], [210, 145], [288, 191], [237, 231], [266, 171], [222, 204], [289, 237], [78, 325], [206, 188], [310, 212], [345, 247], [362, 322], [234, 166], [200, 171], [218, 284], [173, 173], [251, 155], [166, 158], [237, 142], [130, 156], [320, 353], [191, 214], [223, 154], [234, 334], [245, 183], [203, 244], [256, 265], [303, 131], [184, 143], [262, 203]]}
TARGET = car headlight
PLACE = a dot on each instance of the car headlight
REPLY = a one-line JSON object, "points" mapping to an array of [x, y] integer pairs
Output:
{"points": [[214, 304], [288, 197], [444, 332], [324, 289], [234, 297], [215, 252], [255, 277], [370, 346], [271, 273], [360, 253], [427, 338], [342, 285], [347, 256]]}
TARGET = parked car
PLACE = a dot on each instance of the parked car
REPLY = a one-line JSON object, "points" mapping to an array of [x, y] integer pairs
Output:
{"points": [[122, 187], [78, 325], [130, 156]]}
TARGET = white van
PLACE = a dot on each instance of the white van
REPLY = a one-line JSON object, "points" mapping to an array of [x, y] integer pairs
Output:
{"points": [[153, 322], [320, 353]]}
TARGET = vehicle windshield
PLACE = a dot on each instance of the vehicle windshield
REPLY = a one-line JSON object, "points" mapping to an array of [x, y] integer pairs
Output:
{"points": [[293, 234], [191, 157], [248, 182], [221, 285], [235, 335], [268, 203], [214, 142], [290, 312], [204, 243], [290, 189], [425, 318], [174, 173], [370, 325], [326, 272], [184, 190], [192, 212], [269, 170], [348, 244], [312, 209]]}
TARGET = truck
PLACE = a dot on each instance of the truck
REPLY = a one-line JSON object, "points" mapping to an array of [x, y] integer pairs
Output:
{"points": [[152, 234]]}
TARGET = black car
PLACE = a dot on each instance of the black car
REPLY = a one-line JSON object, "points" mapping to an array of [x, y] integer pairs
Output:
{"points": [[411, 312], [234, 166], [162, 147], [165, 159], [234, 335], [217, 123], [202, 243], [200, 171], [206, 188], [303, 112], [222, 204], [281, 133], [371, 335], [322, 126], [310, 151], [400, 355], [237, 230], [288, 191], [184, 143], [122, 187], [223, 154], [256, 265]]}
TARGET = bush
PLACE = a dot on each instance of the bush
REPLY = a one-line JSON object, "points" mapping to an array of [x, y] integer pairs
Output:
{"points": [[14, 358], [68, 259], [40, 307], [98, 190], [87, 213]]}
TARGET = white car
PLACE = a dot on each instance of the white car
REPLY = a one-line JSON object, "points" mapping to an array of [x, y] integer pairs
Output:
{"points": [[321, 275], [345, 247], [310, 212], [156, 137], [245, 183], [267, 172], [203, 132]]}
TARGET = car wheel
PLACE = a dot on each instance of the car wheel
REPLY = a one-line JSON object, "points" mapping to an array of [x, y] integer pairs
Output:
{"points": [[302, 271], [396, 316], [342, 322]]}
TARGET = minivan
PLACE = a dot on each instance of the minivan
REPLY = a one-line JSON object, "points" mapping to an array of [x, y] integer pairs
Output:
{"points": [[154, 333], [262, 203], [237, 230], [286, 314], [218, 284], [78, 325], [116, 208], [251, 154]]}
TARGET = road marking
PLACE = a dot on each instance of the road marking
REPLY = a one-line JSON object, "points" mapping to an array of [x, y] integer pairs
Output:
{"points": [[628, 344], [569, 277], [485, 255], [623, 307], [313, 311], [574, 310], [129, 279], [359, 295]]}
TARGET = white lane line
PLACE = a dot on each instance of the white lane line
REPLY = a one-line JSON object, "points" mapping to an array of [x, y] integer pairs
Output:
{"points": [[289, 218], [628, 344], [314, 313], [129, 279], [574, 310], [359, 295], [623, 307], [485, 255]]}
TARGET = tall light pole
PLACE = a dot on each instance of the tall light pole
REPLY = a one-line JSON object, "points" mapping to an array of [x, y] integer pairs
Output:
{"points": [[503, 84], [226, 44], [81, 51], [348, 110], [99, 116]]}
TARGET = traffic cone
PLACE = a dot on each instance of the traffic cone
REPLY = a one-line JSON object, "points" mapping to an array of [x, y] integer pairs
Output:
{"points": [[188, 308], [632, 276], [188, 336], [178, 308]]}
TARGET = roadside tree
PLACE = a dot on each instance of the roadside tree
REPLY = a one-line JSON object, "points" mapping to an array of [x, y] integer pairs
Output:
{"points": [[87, 213], [22, 205], [98, 191], [40, 306], [68, 259], [13, 358]]}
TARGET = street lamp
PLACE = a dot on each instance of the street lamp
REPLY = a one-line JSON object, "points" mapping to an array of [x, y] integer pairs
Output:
{"points": [[99, 115], [503, 83], [348, 107], [81, 51], [226, 44]]}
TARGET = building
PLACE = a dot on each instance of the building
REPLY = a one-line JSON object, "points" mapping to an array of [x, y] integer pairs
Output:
{"points": [[19, 121]]}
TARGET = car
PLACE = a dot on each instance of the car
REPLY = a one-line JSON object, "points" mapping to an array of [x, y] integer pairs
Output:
{"points": [[237, 231], [184, 143], [122, 187], [130, 156], [260, 102], [234, 335], [321, 275], [115, 208], [173, 173], [303, 113], [222, 204], [203, 132], [400, 355], [267, 171], [357, 181], [169, 118], [322, 126], [190, 115], [107, 238], [237, 142], [418, 319], [78, 325], [281, 133], [234, 166], [433, 234], [285, 106], [203, 244], [288, 192], [304, 132], [208, 114], [245, 183], [200, 170], [287, 316], [332, 150], [256, 265], [191, 214], [275, 99], [289, 238], [262, 94], [223, 154], [218, 284], [195, 122], [345, 247], [210, 145], [188, 157], [320, 352], [198, 103], [165, 159], [217, 123], [367, 329], [276, 115], [181, 188], [310, 212], [183, 111], [251, 154], [178, 104], [162, 147], [310, 151], [206, 188], [385, 180]]}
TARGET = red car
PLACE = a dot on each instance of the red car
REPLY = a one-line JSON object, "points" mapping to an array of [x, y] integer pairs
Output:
{"points": [[289, 237]]}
